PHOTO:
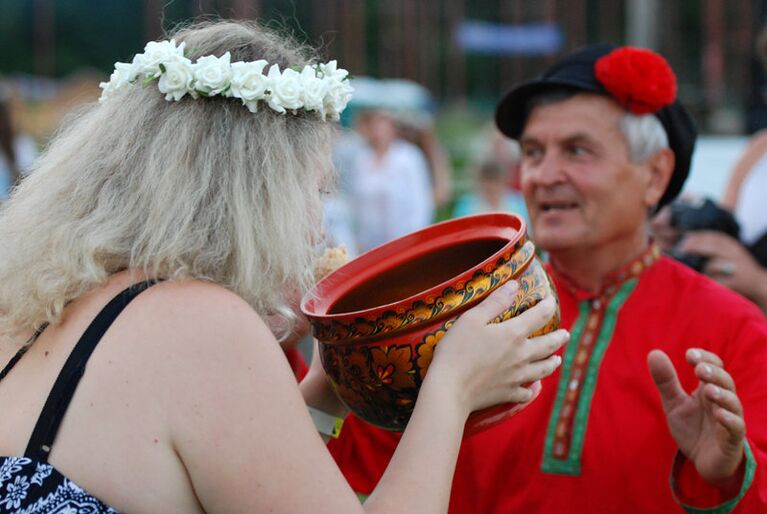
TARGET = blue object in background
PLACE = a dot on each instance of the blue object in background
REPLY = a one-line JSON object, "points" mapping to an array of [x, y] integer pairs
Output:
{"points": [[519, 39]]}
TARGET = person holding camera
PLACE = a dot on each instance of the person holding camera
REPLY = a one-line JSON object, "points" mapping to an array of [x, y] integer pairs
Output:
{"points": [[727, 242], [730, 263]]}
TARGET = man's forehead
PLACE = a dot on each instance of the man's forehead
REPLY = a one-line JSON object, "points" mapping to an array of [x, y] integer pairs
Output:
{"points": [[582, 114]]}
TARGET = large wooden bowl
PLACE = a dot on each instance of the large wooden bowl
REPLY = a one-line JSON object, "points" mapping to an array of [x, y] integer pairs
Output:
{"points": [[379, 317]]}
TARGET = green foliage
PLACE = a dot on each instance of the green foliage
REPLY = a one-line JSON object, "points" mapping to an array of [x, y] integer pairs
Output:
{"points": [[16, 31]]}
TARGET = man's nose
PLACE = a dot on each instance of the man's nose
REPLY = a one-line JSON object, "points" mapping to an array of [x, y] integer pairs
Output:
{"points": [[549, 170]]}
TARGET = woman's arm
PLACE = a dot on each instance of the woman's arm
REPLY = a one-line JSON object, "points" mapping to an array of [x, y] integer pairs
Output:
{"points": [[242, 431]]}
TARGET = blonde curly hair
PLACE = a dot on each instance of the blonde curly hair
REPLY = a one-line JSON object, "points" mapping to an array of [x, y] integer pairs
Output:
{"points": [[199, 189]]}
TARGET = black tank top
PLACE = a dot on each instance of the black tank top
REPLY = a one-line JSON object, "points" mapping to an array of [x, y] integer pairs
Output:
{"points": [[28, 484]]}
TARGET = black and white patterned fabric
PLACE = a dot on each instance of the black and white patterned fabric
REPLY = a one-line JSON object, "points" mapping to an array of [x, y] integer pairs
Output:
{"points": [[30, 487]]}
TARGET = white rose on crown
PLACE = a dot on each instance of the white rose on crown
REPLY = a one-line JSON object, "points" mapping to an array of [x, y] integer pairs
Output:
{"points": [[314, 90], [124, 74], [331, 70], [156, 53], [176, 79], [285, 89], [212, 74], [249, 83], [338, 95]]}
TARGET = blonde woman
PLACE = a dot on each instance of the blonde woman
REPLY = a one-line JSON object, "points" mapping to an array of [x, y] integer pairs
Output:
{"points": [[156, 235]]}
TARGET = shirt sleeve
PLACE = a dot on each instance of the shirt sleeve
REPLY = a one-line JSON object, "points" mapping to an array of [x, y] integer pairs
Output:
{"points": [[696, 496]]}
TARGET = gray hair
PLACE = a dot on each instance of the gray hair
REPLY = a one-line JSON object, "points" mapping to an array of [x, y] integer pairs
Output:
{"points": [[644, 133], [199, 189]]}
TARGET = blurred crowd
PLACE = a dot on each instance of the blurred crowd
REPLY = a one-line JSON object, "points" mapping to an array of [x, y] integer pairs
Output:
{"points": [[396, 176]]}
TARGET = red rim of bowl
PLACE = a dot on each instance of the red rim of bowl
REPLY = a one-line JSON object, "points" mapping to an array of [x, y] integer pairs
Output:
{"points": [[378, 257]]}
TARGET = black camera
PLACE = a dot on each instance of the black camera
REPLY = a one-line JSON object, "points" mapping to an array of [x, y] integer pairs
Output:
{"points": [[696, 213]]}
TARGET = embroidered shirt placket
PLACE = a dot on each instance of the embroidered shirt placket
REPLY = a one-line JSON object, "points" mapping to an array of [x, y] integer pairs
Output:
{"points": [[591, 335]]}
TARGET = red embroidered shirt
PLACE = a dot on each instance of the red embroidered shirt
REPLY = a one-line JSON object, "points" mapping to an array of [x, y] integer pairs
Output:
{"points": [[596, 440]]}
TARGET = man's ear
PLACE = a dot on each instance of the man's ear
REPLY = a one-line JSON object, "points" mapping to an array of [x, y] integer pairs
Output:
{"points": [[660, 167]]}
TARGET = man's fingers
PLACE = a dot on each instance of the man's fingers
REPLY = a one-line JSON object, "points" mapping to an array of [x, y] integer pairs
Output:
{"points": [[697, 355], [734, 424], [665, 378], [707, 242], [712, 374], [723, 398]]}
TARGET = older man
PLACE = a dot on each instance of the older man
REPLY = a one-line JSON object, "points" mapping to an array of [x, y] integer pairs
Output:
{"points": [[604, 143]]}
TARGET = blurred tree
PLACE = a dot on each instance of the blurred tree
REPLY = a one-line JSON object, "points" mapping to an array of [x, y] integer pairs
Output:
{"points": [[709, 42]]}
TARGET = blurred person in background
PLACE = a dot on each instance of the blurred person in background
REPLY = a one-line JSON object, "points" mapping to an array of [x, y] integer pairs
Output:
{"points": [[337, 220], [492, 145], [491, 193], [661, 402], [388, 186], [17, 150], [418, 129], [140, 267]]}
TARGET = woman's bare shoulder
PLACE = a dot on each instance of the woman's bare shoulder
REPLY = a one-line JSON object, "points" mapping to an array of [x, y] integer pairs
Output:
{"points": [[196, 307], [196, 326], [191, 292]]}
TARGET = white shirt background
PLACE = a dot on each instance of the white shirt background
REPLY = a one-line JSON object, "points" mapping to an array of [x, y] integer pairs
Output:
{"points": [[390, 197]]}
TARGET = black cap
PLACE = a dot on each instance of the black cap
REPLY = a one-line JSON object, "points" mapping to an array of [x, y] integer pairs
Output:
{"points": [[576, 71]]}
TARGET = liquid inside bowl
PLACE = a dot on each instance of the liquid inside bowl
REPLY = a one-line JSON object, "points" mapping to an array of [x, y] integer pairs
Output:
{"points": [[416, 275]]}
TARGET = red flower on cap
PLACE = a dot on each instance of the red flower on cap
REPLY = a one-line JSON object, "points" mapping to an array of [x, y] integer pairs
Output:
{"points": [[639, 79]]}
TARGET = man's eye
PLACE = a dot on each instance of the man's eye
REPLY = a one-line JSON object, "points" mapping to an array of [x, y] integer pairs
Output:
{"points": [[579, 151], [531, 153]]}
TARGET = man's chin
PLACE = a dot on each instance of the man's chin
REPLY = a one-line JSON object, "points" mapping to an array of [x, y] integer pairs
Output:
{"points": [[553, 243]]}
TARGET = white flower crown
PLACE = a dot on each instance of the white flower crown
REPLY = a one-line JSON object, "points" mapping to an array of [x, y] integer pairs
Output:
{"points": [[321, 87]]}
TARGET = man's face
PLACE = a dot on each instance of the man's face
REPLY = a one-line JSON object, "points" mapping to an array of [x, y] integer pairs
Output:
{"points": [[581, 188]]}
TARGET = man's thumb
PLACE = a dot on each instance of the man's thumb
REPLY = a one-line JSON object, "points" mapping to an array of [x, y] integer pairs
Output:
{"points": [[665, 378]]}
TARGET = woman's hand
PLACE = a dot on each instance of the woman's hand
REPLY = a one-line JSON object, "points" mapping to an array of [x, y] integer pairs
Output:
{"points": [[486, 364]]}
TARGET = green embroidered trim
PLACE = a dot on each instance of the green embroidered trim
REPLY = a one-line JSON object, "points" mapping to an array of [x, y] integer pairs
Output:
{"points": [[572, 465], [550, 464], [728, 506]]}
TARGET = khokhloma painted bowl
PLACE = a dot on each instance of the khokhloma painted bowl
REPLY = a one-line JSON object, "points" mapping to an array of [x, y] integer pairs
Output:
{"points": [[379, 317]]}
